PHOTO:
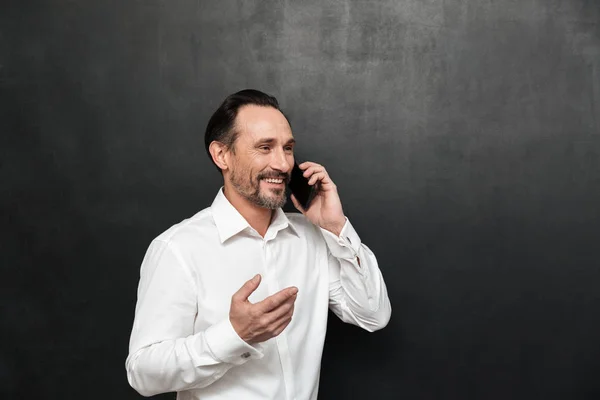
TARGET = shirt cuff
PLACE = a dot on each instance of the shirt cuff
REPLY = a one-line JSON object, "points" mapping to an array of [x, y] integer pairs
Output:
{"points": [[226, 345], [344, 246]]}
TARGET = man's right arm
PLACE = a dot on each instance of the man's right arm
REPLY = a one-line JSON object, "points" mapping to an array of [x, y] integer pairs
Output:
{"points": [[165, 354]]}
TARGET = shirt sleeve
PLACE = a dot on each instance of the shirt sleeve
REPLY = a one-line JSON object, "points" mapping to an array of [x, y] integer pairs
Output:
{"points": [[165, 354], [357, 291]]}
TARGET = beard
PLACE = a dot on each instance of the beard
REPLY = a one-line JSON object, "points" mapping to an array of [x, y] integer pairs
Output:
{"points": [[250, 189]]}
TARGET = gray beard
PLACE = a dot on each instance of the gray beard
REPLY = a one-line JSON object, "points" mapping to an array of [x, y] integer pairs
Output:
{"points": [[251, 192]]}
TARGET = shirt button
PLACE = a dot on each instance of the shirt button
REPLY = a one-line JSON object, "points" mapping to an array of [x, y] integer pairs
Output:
{"points": [[246, 355]]}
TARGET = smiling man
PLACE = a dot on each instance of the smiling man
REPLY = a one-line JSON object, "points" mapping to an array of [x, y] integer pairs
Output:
{"points": [[233, 302]]}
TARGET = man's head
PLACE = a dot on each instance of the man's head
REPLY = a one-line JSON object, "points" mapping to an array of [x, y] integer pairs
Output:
{"points": [[250, 140]]}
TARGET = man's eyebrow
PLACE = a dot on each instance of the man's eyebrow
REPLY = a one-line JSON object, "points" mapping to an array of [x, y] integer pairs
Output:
{"points": [[273, 140], [266, 141]]}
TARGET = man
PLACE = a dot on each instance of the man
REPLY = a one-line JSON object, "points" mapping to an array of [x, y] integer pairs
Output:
{"points": [[232, 302]]}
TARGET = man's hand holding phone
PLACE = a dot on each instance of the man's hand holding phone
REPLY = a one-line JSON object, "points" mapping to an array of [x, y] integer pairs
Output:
{"points": [[325, 209]]}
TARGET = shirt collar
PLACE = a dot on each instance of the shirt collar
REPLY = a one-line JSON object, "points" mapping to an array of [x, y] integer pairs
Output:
{"points": [[230, 222]]}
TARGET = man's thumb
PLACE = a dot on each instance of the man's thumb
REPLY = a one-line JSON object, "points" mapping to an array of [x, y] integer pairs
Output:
{"points": [[247, 289]]}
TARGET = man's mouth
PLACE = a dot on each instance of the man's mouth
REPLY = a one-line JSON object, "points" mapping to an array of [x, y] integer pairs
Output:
{"points": [[277, 181]]}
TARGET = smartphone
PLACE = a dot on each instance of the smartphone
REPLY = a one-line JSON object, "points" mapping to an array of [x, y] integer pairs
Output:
{"points": [[303, 192]]}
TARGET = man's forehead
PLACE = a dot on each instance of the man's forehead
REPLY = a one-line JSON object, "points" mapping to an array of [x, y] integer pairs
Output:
{"points": [[264, 128], [261, 121]]}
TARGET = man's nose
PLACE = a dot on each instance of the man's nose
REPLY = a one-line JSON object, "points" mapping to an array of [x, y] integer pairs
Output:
{"points": [[280, 161]]}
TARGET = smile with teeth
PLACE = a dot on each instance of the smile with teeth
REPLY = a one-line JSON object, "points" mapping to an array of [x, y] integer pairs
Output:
{"points": [[273, 180]]}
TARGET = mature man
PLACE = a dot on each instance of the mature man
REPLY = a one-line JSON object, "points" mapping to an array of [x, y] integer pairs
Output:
{"points": [[232, 302]]}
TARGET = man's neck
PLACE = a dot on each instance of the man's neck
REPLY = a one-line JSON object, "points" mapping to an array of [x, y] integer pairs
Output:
{"points": [[258, 218]]}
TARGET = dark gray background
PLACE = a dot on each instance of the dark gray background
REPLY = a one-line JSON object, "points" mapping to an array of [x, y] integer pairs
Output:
{"points": [[464, 136]]}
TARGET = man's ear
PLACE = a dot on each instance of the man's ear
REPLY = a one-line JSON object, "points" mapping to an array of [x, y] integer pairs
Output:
{"points": [[218, 152]]}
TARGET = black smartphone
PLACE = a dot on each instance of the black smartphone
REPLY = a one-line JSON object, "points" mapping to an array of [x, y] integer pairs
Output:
{"points": [[303, 192]]}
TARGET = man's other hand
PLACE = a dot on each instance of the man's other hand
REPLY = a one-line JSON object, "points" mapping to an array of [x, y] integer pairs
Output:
{"points": [[259, 322]]}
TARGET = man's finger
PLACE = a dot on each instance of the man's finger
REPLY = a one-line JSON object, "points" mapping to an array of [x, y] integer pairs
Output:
{"points": [[305, 165], [317, 176], [247, 289], [285, 308], [281, 326], [275, 300], [308, 171], [313, 169]]}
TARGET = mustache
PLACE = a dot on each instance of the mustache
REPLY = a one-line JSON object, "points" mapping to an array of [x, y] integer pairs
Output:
{"points": [[275, 175]]}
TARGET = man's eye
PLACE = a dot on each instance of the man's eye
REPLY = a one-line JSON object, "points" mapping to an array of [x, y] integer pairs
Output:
{"points": [[264, 148], [289, 149]]}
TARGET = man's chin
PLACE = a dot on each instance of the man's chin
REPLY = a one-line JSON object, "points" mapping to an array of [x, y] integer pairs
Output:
{"points": [[275, 199]]}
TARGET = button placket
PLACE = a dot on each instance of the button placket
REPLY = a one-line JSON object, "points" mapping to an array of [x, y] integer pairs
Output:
{"points": [[280, 340]]}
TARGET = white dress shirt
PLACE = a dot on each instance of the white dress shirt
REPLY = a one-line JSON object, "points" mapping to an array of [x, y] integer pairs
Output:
{"points": [[182, 340]]}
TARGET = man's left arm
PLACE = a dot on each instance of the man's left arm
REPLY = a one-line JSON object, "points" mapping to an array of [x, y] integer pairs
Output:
{"points": [[357, 292]]}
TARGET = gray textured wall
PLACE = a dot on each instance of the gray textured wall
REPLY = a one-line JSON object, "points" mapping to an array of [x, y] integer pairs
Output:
{"points": [[464, 136]]}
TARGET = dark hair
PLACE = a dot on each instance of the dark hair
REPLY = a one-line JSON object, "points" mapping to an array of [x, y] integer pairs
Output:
{"points": [[221, 125]]}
